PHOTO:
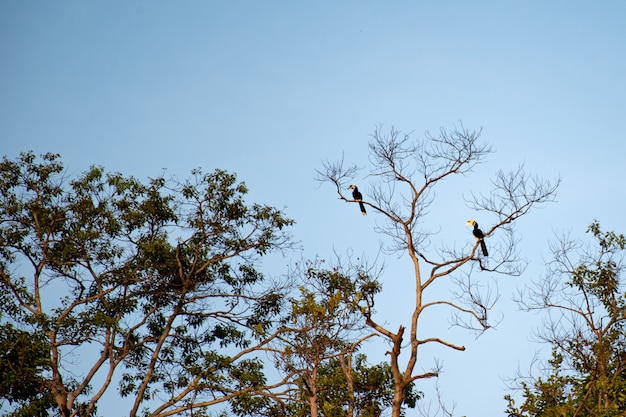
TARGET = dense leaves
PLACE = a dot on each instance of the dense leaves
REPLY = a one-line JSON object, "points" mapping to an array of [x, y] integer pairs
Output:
{"points": [[318, 347], [161, 277], [23, 361]]}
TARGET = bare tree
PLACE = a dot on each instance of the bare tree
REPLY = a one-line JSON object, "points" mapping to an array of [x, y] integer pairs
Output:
{"points": [[403, 176]]}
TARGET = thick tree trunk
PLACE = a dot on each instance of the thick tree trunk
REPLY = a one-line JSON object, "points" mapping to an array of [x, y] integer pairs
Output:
{"points": [[398, 397]]}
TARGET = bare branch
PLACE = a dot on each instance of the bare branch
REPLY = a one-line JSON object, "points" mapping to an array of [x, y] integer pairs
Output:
{"points": [[513, 195]]}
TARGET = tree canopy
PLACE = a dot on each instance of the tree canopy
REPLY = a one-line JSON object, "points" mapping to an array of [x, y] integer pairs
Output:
{"points": [[156, 283]]}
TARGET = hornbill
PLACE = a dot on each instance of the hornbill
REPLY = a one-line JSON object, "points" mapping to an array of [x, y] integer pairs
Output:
{"points": [[479, 235], [356, 194]]}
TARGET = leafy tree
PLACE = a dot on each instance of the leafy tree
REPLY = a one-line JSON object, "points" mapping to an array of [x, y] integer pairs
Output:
{"points": [[372, 388], [585, 298], [403, 176], [105, 279], [321, 335], [319, 330], [22, 362], [364, 390]]}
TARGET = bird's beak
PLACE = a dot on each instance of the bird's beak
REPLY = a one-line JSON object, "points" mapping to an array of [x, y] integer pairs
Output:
{"points": [[469, 223]]}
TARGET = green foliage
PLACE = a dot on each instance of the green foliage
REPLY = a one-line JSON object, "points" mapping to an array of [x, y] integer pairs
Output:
{"points": [[23, 361], [549, 397], [371, 395], [373, 388], [588, 366], [161, 277], [321, 333]]}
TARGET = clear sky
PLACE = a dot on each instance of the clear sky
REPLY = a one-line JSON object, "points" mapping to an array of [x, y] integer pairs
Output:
{"points": [[269, 89]]}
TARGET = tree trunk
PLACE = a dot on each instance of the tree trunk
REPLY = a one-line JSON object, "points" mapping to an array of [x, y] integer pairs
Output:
{"points": [[398, 396], [313, 405], [398, 377]]}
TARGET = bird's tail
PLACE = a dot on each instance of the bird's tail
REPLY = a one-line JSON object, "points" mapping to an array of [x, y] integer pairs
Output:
{"points": [[484, 247], [362, 206]]}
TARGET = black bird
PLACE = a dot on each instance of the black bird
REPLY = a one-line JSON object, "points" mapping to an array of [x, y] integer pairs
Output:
{"points": [[356, 194], [479, 235]]}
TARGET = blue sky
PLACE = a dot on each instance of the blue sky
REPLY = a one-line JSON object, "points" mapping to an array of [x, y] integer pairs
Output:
{"points": [[270, 89]]}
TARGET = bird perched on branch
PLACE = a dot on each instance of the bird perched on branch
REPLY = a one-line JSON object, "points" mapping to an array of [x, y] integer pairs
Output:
{"points": [[356, 194], [479, 235]]}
